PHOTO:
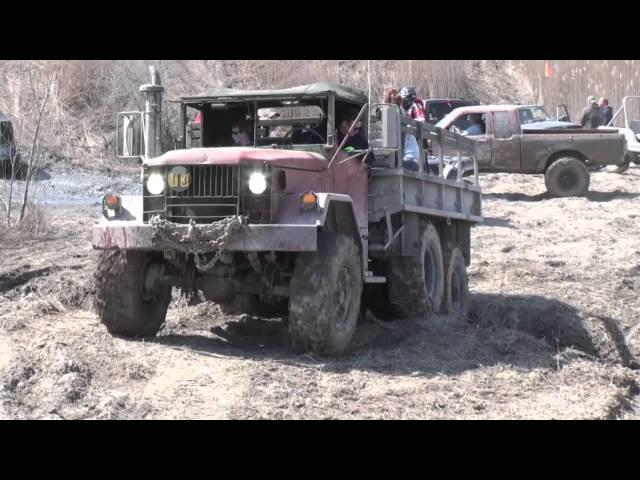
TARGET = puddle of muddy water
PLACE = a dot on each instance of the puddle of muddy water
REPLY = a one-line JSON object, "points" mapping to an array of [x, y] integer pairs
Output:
{"points": [[63, 190]]}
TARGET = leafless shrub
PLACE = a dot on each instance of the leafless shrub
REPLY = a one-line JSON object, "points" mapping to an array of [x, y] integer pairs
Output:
{"points": [[572, 81]]}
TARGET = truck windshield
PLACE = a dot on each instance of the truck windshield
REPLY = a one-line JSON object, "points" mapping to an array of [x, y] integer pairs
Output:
{"points": [[438, 109], [533, 115], [448, 119], [264, 123]]}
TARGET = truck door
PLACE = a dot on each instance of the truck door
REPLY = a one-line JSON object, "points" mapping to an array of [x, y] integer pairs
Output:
{"points": [[562, 113], [505, 141], [483, 146], [350, 178]]}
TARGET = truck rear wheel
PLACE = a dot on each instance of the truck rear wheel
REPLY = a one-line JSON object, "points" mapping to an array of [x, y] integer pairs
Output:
{"points": [[416, 283], [456, 300], [324, 296], [121, 301], [567, 177]]}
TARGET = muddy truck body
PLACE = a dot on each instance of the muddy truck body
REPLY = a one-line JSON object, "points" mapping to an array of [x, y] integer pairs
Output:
{"points": [[290, 226], [564, 155]]}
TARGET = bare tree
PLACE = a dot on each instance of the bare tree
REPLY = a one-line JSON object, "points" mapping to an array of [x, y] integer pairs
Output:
{"points": [[15, 163], [34, 143]]}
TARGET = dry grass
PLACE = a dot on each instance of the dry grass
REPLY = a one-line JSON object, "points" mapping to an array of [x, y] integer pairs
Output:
{"points": [[79, 123], [574, 80], [34, 225]]}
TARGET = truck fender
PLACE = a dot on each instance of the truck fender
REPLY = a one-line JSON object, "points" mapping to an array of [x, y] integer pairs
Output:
{"points": [[564, 153], [336, 214]]}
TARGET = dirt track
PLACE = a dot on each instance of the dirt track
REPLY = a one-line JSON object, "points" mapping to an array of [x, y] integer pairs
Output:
{"points": [[553, 332]]}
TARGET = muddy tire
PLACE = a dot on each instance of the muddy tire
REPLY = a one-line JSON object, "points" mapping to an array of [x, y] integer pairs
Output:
{"points": [[121, 304], [624, 166], [456, 299], [416, 284], [324, 296], [567, 177]]}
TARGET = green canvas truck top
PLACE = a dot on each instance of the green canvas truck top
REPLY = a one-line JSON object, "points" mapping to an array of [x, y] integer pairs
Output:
{"points": [[319, 89]]}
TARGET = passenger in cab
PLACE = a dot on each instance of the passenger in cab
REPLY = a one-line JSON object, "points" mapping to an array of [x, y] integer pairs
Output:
{"points": [[242, 134]]}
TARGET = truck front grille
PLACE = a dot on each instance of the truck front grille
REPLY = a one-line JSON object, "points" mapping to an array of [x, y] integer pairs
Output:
{"points": [[214, 192], [211, 195]]}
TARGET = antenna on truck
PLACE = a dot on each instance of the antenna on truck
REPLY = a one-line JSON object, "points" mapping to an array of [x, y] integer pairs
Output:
{"points": [[369, 82]]}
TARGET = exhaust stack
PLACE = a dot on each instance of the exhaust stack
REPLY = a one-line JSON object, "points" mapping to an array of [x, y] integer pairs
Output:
{"points": [[152, 114]]}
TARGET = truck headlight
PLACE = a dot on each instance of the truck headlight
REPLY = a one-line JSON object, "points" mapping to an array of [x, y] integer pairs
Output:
{"points": [[155, 183], [257, 183]]}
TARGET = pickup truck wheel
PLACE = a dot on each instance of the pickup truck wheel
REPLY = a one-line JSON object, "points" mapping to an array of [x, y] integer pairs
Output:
{"points": [[624, 166], [567, 177], [456, 300], [324, 296], [121, 302], [416, 283]]}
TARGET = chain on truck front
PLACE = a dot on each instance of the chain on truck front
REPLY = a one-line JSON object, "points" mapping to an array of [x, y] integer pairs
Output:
{"points": [[198, 239]]}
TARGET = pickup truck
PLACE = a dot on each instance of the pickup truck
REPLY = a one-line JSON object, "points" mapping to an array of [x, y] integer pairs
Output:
{"points": [[563, 155]]}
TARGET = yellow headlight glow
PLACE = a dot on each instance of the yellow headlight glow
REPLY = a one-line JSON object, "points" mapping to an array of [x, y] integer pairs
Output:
{"points": [[179, 179]]}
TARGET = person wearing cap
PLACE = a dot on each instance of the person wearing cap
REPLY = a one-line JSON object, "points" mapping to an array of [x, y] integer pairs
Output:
{"points": [[591, 115], [607, 111]]}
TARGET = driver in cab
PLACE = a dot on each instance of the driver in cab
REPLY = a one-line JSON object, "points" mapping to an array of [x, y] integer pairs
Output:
{"points": [[357, 139], [476, 125]]}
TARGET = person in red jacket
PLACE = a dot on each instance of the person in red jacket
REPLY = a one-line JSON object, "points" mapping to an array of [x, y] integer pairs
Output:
{"points": [[411, 105]]}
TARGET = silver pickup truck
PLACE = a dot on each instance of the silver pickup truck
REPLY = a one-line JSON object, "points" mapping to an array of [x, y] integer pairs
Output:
{"points": [[563, 155]]}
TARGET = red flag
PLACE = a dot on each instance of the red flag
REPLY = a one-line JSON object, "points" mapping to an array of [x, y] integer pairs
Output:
{"points": [[548, 71]]}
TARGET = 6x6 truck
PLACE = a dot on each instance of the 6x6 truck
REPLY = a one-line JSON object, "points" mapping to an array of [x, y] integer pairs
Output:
{"points": [[292, 225], [563, 155]]}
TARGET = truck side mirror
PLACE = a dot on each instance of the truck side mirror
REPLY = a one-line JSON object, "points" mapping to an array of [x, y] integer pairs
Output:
{"points": [[129, 139]]}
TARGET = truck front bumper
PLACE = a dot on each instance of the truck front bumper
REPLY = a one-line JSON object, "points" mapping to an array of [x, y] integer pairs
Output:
{"points": [[128, 235]]}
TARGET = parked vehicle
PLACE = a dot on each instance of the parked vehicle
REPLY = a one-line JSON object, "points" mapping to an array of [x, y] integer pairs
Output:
{"points": [[627, 117], [563, 155]]}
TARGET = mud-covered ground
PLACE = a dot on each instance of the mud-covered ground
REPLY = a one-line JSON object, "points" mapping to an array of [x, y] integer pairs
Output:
{"points": [[553, 332]]}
